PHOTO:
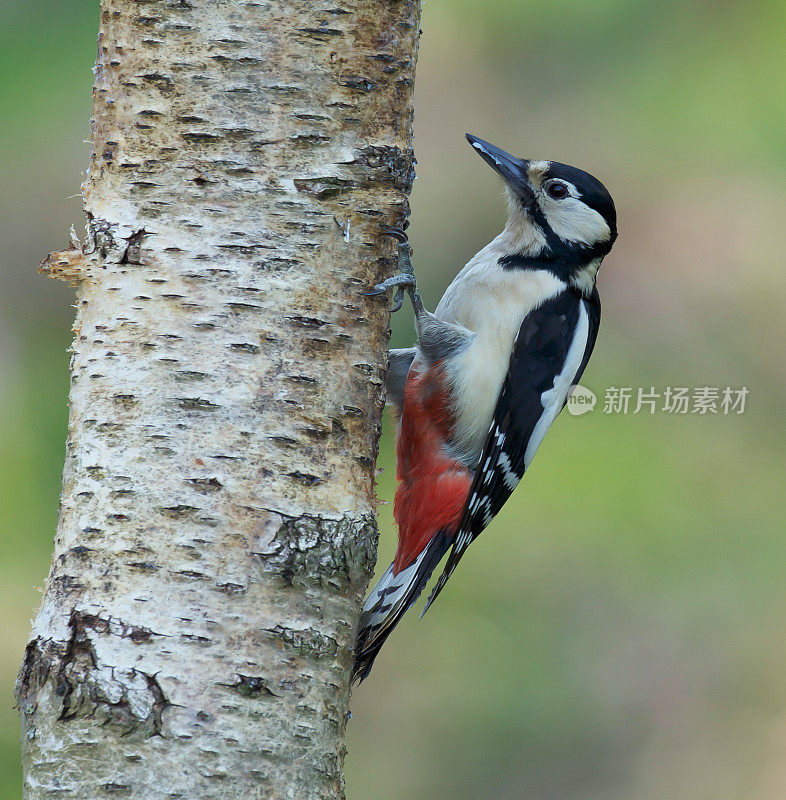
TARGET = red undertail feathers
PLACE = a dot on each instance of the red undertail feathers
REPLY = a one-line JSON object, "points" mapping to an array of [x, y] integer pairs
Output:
{"points": [[430, 499]]}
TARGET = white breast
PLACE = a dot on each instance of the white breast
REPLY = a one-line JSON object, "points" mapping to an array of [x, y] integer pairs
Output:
{"points": [[492, 302]]}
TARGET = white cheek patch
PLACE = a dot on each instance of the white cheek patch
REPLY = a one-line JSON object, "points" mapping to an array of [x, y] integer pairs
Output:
{"points": [[573, 221]]}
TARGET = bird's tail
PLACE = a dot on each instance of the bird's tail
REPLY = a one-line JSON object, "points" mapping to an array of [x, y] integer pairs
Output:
{"points": [[390, 598]]}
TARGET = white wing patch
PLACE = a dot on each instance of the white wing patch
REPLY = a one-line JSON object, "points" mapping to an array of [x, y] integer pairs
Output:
{"points": [[553, 399], [510, 477]]}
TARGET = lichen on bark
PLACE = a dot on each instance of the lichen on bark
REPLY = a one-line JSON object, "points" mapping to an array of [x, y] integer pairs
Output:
{"points": [[217, 523]]}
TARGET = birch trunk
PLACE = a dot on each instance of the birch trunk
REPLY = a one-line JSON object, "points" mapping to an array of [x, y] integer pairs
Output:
{"points": [[217, 526]]}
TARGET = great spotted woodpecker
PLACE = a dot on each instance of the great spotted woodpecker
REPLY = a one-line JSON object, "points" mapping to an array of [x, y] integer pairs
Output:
{"points": [[492, 368]]}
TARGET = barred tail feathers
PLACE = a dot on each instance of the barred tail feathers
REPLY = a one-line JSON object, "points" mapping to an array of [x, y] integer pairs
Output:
{"points": [[393, 594]]}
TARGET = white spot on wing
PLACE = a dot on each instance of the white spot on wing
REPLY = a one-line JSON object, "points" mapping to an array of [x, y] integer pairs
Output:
{"points": [[509, 476]]}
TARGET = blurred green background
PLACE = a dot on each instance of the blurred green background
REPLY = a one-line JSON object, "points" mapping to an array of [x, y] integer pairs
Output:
{"points": [[619, 631]]}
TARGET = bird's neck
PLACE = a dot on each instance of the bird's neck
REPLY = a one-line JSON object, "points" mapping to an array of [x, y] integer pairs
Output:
{"points": [[526, 244], [583, 277], [577, 272]]}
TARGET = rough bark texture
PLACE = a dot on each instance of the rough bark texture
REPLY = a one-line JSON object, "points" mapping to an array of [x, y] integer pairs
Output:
{"points": [[217, 526]]}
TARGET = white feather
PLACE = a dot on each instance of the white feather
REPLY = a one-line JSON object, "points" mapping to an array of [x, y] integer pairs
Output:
{"points": [[509, 476], [584, 279], [393, 587], [572, 220], [553, 399], [492, 303]]}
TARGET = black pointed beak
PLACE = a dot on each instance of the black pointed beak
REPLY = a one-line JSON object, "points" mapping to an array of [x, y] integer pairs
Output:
{"points": [[514, 171]]}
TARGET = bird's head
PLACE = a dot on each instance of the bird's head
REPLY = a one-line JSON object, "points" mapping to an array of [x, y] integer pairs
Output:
{"points": [[561, 218]]}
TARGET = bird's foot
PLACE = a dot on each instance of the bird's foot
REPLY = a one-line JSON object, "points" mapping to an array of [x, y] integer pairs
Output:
{"points": [[405, 279], [399, 283]]}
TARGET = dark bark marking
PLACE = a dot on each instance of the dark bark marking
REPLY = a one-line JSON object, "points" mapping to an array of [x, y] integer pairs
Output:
{"points": [[72, 668]]}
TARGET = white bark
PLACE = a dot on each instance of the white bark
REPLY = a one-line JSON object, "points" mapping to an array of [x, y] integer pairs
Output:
{"points": [[217, 526]]}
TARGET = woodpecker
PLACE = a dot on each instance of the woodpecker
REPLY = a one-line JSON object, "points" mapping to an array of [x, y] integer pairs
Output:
{"points": [[491, 370]]}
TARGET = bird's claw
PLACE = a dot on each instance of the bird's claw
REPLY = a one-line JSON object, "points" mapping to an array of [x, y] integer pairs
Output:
{"points": [[404, 280], [399, 283], [398, 300], [396, 233]]}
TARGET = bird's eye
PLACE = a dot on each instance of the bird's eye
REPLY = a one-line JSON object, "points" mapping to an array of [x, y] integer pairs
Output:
{"points": [[557, 189]]}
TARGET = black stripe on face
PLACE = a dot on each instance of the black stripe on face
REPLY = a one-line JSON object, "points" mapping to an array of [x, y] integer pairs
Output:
{"points": [[561, 258], [565, 258]]}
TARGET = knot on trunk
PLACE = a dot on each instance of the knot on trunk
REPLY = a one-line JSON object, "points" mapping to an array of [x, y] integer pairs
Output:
{"points": [[332, 554], [83, 686]]}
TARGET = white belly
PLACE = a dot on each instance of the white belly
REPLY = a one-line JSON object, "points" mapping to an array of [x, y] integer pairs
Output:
{"points": [[492, 304]]}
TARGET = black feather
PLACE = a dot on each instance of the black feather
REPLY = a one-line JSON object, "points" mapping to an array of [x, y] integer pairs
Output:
{"points": [[370, 637], [538, 356]]}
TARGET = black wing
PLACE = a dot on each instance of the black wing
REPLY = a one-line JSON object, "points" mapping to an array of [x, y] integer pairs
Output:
{"points": [[550, 353]]}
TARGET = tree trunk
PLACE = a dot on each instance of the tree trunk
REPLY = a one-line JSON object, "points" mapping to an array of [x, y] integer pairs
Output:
{"points": [[217, 525]]}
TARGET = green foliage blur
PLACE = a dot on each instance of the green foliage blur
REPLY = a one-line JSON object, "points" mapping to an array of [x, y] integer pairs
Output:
{"points": [[619, 630]]}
